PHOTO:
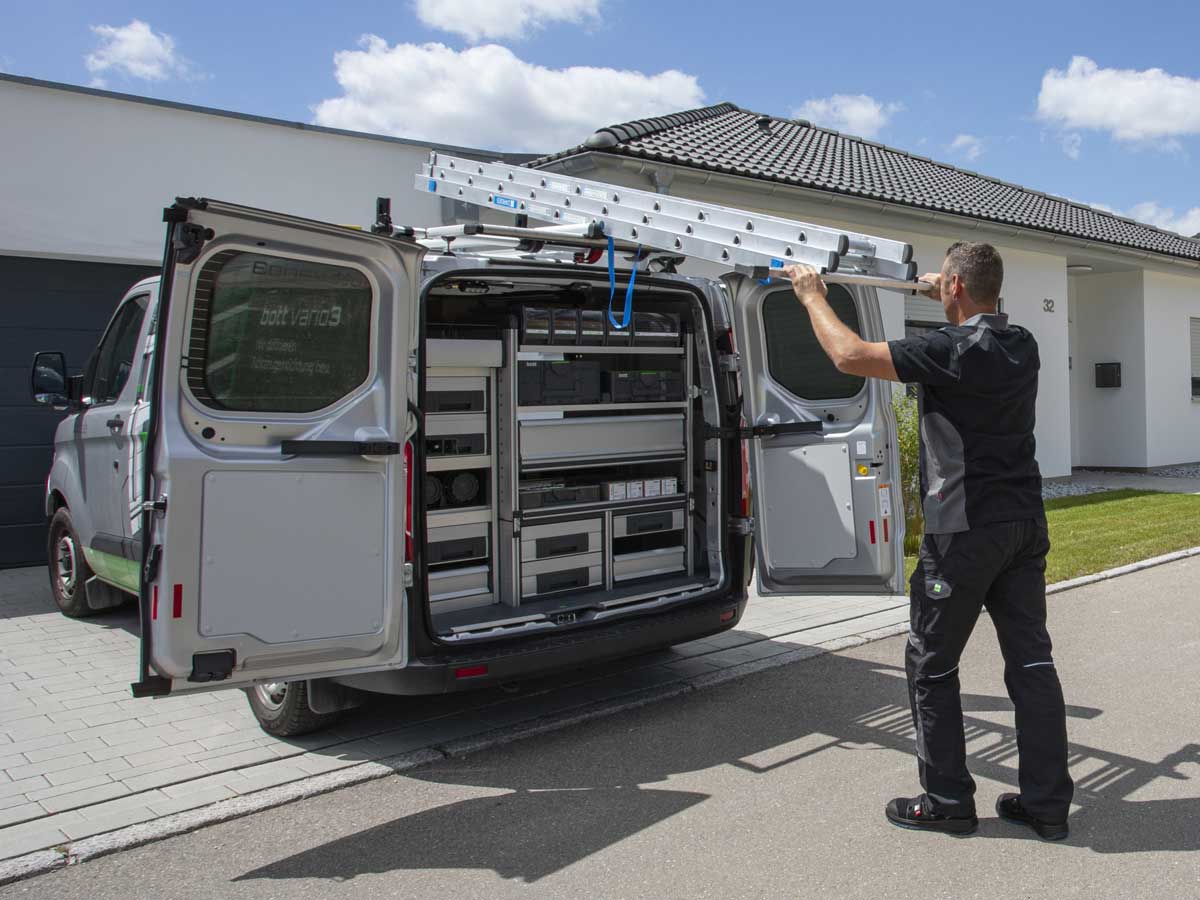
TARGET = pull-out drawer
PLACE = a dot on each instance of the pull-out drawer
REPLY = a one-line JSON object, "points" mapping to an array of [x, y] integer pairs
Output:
{"points": [[458, 543], [455, 394], [463, 354], [561, 574], [449, 434], [447, 584], [645, 563], [560, 539], [633, 524], [545, 440]]}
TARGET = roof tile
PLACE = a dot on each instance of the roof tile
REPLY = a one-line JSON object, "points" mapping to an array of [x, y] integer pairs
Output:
{"points": [[726, 138]]}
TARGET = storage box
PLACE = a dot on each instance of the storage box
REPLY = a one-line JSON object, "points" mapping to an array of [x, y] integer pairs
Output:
{"points": [[561, 574], [656, 328], [642, 386], [633, 524], [457, 543], [670, 486], [653, 487], [615, 490], [542, 494], [535, 325], [568, 382], [635, 490]]}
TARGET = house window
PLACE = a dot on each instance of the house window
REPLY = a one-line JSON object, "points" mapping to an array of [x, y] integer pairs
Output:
{"points": [[1194, 331]]}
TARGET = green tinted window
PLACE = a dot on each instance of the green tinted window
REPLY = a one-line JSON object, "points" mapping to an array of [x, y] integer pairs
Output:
{"points": [[278, 335], [795, 358]]}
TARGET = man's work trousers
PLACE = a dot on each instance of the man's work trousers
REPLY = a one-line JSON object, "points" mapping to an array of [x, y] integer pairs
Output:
{"points": [[1003, 567]]}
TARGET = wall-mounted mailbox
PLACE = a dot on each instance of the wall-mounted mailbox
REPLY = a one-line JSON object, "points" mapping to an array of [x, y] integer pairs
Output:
{"points": [[1108, 375]]}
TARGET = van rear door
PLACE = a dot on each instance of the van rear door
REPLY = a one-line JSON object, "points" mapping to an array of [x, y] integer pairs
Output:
{"points": [[275, 548], [824, 464]]}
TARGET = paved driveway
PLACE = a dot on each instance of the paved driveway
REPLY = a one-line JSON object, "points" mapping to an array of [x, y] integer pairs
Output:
{"points": [[772, 785], [80, 757]]}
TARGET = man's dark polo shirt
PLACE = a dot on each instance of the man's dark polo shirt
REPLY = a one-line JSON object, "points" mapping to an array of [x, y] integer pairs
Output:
{"points": [[978, 389]]}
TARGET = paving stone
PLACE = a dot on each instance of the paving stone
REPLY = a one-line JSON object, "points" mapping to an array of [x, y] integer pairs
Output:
{"points": [[266, 776], [163, 777], [22, 787], [86, 826], [61, 750], [85, 797], [49, 766], [37, 835], [107, 751], [54, 790], [202, 797], [90, 770], [20, 813]]}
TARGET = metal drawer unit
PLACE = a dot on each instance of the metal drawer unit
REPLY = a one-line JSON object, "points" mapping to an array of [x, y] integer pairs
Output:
{"points": [[547, 440], [458, 543], [547, 576], [459, 433], [453, 589], [561, 539], [644, 563]]}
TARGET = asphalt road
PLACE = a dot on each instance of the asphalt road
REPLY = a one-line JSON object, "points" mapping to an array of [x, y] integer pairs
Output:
{"points": [[770, 786]]}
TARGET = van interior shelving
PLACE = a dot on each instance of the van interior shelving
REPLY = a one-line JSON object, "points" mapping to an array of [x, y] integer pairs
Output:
{"points": [[565, 466]]}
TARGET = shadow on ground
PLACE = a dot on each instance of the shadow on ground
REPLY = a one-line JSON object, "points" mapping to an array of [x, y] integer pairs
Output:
{"points": [[575, 793]]}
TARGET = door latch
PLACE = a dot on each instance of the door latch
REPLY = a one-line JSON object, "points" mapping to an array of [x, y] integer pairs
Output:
{"points": [[742, 527], [756, 431], [730, 362]]}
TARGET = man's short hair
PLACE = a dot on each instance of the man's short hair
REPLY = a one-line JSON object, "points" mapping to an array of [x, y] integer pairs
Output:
{"points": [[979, 267]]}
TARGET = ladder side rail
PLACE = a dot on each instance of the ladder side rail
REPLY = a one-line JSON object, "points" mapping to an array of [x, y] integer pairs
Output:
{"points": [[506, 177]]}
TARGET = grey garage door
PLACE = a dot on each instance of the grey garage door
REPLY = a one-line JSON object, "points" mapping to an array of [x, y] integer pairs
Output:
{"points": [[45, 304]]}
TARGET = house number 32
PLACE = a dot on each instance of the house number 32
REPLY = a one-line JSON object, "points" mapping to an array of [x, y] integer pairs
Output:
{"points": [[1048, 305]]}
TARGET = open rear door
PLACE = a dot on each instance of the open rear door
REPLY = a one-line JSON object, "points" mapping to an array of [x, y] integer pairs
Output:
{"points": [[823, 457], [275, 540]]}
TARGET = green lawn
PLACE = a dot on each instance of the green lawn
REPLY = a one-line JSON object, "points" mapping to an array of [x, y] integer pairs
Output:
{"points": [[1094, 532]]}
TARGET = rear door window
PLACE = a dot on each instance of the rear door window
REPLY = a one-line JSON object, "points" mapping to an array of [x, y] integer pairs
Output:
{"points": [[271, 334], [794, 355]]}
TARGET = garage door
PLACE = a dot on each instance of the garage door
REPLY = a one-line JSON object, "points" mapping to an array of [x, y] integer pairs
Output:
{"points": [[44, 305]]}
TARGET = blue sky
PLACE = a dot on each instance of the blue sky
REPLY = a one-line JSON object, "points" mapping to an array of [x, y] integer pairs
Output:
{"points": [[1101, 107]]}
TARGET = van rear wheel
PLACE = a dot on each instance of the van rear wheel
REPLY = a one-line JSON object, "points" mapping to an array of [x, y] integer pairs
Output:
{"points": [[69, 571], [282, 709]]}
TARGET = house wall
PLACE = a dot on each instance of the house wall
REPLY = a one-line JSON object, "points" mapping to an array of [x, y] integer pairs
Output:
{"points": [[1030, 278], [1110, 326], [86, 176], [1172, 416]]}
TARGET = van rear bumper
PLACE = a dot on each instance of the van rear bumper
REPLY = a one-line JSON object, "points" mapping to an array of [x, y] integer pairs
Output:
{"points": [[547, 655]]}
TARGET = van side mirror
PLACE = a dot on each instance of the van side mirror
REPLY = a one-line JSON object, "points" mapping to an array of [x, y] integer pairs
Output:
{"points": [[48, 379]]}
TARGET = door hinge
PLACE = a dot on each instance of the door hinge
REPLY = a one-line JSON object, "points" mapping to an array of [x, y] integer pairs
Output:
{"points": [[742, 527], [729, 362], [150, 570], [754, 431], [408, 574], [158, 506], [188, 241]]}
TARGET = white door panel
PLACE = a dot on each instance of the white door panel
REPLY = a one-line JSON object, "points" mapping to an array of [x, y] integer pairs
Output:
{"points": [[276, 442], [826, 503]]}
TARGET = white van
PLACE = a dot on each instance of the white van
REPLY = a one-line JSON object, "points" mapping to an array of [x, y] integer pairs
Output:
{"points": [[374, 468]]}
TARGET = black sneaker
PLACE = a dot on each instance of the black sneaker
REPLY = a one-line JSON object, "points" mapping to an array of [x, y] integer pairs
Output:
{"points": [[914, 812], [1009, 807]]}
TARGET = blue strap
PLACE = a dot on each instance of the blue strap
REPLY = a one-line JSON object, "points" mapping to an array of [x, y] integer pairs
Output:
{"points": [[612, 286]]}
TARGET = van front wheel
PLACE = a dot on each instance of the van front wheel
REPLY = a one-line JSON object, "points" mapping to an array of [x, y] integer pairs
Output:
{"points": [[282, 709]]}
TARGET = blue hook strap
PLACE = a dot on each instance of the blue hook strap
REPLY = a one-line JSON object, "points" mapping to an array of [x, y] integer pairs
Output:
{"points": [[612, 286]]}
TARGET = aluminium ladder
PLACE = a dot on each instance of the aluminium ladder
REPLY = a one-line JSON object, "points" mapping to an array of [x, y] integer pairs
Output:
{"points": [[748, 242]]}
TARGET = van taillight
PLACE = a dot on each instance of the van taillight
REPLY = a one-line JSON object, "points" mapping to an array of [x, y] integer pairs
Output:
{"points": [[408, 502]]}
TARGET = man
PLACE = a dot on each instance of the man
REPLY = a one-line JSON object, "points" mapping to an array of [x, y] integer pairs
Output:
{"points": [[985, 537]]}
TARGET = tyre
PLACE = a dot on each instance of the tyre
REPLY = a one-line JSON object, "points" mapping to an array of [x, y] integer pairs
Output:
{"points": [[69, 571], [281, 708]]}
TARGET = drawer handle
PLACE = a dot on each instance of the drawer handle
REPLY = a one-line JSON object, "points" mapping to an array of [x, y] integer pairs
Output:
{"points": [[644, 524], [562, 545], [559, 581]]}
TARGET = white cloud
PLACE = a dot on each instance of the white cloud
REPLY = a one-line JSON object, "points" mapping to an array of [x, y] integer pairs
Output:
{"points": [[488, 97], [1132, 105], [857, 114], [968, 145], [477, 20], [1072, 143], [1187, 223], [135, 50]]}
